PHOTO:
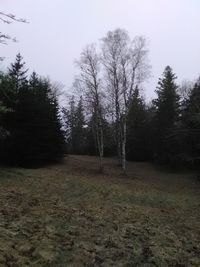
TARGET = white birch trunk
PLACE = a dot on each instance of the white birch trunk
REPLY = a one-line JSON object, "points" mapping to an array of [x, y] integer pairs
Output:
{"points": [[124, 147]]}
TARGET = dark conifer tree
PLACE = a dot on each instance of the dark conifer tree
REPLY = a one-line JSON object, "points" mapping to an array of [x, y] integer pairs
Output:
{"points": [[18, 73], [11, 86], [136, 133], [4, 93], [190, 130], [191, 114], [33, 123], [41, 124], [4, 101], [166, 112], [69, 118], [74, 121]]}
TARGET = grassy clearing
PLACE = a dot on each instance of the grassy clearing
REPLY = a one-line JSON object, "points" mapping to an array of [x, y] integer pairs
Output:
{"points": [[70, 215]]}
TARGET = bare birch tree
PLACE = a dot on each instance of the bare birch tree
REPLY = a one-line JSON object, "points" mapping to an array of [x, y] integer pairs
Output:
{"points": [[113, 46], [90, 83], [126, 67]]}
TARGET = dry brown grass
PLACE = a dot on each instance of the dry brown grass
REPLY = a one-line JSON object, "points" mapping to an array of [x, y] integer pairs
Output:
{"points": [[71, 215]]}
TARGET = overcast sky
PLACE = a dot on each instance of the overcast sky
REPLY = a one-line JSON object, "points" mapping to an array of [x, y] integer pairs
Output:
{"points": [[59, 29]]}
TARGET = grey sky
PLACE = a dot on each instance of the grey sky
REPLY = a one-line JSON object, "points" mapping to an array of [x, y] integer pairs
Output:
{"points": [[59, 29]]}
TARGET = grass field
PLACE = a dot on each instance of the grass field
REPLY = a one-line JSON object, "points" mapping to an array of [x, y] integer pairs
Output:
{"points": [[70, 215]]}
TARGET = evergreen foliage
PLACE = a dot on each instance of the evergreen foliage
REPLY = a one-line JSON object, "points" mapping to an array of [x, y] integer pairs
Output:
{"points": [[74, 124], [33, 121], [190, 128], [137, 148], [166, 113]]}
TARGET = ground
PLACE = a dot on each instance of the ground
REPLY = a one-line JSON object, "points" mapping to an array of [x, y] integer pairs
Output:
{"points": [[71, 215]]}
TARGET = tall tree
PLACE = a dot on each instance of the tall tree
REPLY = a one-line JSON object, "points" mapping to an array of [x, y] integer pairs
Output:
{"points": [[17, 72], [35, 136], [167, 109], [42, 123], [126, 67], [8, 97], [11, 84], [90, 82], [113, 45], [69, 116], [192, 109], [137, 145], [4, 102], [191, 124], [4, 91], [74, 123]]}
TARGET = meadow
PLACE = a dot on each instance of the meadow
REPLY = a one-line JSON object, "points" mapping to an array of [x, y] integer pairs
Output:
{"points": [[69, 214]]}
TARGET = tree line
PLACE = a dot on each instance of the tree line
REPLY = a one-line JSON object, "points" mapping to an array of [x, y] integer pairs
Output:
{"points": [[106, 115]]}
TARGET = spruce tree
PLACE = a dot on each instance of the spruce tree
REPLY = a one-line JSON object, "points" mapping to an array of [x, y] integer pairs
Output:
{"points": [[17, 72], [10, 87], [35, 134], [4, 93], [42, 124], [191, 126], [69, 117], [167, 111], [191, 114], [136, 131], [74, 120]]}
